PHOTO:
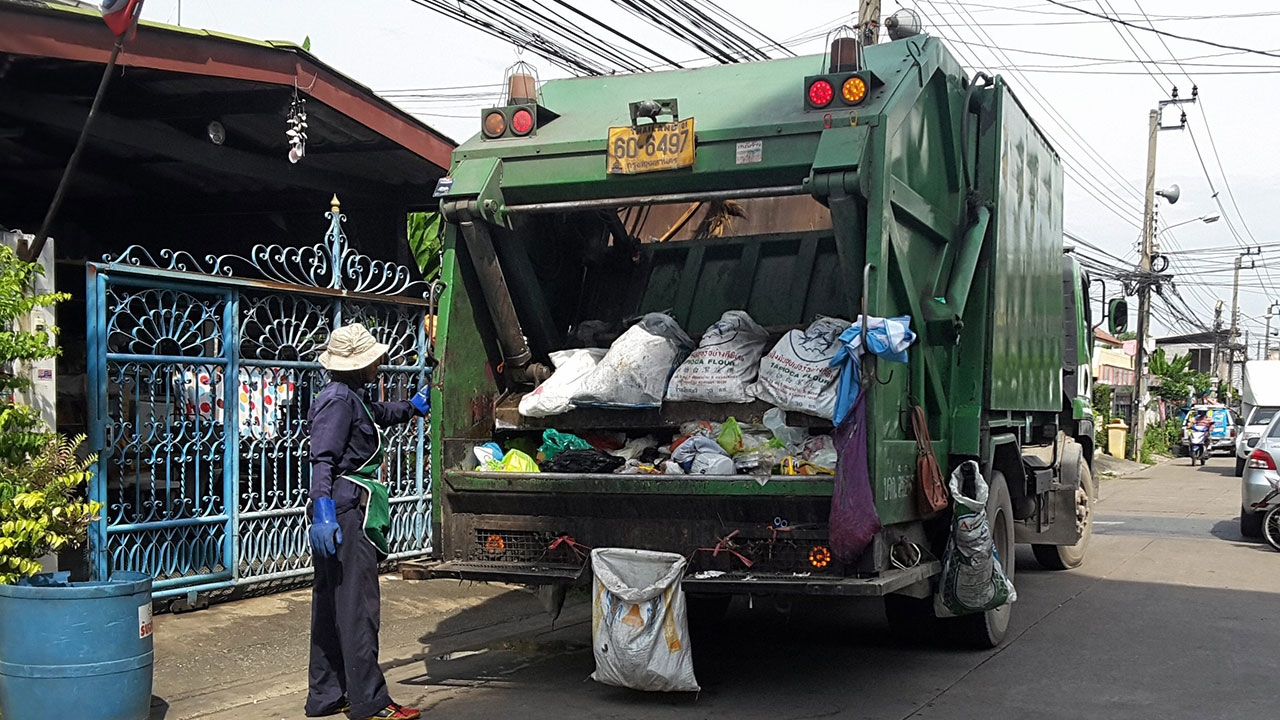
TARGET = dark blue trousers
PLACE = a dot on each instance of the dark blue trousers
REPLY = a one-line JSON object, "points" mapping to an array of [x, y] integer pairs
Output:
{"points": [[345, 616]]}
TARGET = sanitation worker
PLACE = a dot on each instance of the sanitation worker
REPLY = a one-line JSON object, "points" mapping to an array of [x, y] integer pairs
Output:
{"points": [[350, 521]]}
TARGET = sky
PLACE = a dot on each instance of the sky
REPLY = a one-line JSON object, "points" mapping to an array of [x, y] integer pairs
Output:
{"points": [[1078, 76]]}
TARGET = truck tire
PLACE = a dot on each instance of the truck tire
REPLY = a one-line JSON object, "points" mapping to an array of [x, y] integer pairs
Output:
{"points": [[1066, 557], [1250, 523], [1239, 466], [986, 630]]}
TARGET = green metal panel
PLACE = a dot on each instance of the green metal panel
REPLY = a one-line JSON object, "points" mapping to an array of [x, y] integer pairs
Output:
{"points": [[1026, 334]]}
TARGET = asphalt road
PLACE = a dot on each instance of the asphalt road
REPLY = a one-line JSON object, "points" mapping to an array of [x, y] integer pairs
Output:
{"points": [[1172, 616]]}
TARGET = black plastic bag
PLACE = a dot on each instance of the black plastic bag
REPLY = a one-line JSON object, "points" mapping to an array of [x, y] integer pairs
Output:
{"points": [[583, 461]]}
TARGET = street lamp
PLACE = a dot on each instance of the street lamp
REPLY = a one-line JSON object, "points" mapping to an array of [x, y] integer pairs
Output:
{"points": [[1210, 218]]}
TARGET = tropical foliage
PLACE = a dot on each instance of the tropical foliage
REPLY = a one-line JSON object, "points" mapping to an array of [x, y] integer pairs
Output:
{"points": [[426, 238], [42, 506]]}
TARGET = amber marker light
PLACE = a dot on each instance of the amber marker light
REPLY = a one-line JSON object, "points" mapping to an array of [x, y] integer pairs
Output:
{"points": [[494, 124], [820, 556], [854, 90]]}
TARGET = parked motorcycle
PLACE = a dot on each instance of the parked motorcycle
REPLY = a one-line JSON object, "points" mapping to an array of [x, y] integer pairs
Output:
{"points": [[1199, 449]]}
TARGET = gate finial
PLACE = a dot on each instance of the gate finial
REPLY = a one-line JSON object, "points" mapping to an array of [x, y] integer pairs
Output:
{"points": [[333, 204]]}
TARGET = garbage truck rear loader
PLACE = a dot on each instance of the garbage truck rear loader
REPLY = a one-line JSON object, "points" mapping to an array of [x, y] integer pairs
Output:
{"points": [[883, 182]]}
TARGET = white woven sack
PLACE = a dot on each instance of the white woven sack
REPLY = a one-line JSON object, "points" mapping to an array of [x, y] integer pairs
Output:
{"points": [[639, 621], [797, 375], [724, 364], [635, 370]]}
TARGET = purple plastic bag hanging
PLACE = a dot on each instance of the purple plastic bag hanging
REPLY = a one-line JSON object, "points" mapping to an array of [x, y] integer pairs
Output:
{"points": [[854, 521]]}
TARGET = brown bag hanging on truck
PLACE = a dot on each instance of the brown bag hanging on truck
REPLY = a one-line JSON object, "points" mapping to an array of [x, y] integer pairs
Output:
{"points": [[931, 492]]}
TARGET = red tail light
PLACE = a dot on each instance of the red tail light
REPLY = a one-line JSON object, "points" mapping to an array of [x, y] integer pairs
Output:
{"points": [[522, 122], [1262, 460], [821, 93]]}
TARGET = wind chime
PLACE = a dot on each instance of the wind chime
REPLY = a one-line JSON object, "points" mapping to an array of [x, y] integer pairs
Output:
{"points": [[296, 124]]}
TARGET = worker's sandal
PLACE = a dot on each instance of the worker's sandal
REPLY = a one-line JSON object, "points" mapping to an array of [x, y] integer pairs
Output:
{"points": [[395, 711]]}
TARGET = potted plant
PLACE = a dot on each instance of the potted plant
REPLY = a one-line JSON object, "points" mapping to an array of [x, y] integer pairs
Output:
{"points": [[64, 646]]}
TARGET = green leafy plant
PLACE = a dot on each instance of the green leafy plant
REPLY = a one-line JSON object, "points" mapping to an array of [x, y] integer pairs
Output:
{"points": [[426, 238], [42, 507]]}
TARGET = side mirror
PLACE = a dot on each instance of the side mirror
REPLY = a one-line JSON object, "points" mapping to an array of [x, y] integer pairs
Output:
{"points": [[1118, 316]]}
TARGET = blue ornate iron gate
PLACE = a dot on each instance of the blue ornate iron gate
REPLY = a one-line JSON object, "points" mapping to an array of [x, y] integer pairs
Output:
{"points": [[200, 378]]}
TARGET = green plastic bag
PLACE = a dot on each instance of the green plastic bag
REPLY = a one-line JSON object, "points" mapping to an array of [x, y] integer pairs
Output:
{"points": [[554, 442], [730, 437]]}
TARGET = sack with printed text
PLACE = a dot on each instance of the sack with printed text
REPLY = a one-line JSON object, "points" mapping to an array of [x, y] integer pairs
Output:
{"points": [[796, 375], [972, 579], [724, 364]]}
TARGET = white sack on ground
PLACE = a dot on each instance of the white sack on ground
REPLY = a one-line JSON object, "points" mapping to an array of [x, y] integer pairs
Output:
{"points": [[797, 375], [724, 364], [639, 621], [635, 370], [555, 395]]}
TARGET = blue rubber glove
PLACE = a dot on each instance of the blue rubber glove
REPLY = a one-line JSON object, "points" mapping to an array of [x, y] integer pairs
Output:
{"points": [[422, 401], [325, 534]]}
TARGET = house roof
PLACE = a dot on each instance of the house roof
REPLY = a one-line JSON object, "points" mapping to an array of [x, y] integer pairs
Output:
{"points": [[174, 82], [1200, 338], [1106, 337]]}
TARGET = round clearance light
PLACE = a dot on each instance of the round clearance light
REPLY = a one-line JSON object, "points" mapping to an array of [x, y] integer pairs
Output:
{"points": [[854, 90], [821, 93], [494, 124], [522, 122], [820, 556]]}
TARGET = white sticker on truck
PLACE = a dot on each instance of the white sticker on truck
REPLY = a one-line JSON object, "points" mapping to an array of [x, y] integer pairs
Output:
{"points": [[751, 151]]}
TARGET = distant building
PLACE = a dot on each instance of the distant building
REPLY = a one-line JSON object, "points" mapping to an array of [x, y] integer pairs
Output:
{"points": [[1112, 366]]}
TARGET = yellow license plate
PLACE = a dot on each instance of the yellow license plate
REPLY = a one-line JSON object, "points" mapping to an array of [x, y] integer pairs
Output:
{"points": [[650, 148]]}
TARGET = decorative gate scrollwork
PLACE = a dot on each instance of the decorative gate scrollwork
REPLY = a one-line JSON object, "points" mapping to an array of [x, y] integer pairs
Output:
{"points": [[201, 374]]}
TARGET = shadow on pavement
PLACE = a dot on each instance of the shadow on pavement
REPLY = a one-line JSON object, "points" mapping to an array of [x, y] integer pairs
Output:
{"points": [[159, 708], [1140, 649]]}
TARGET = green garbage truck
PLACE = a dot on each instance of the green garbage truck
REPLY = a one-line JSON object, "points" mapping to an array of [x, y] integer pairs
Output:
{"points": [[878, 181]]}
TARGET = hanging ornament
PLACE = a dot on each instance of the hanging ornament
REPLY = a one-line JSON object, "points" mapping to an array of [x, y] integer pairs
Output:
{"points": [[296, 125]]}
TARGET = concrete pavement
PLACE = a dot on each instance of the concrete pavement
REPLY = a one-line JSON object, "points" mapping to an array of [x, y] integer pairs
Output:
{"points": [[1173, 615]]}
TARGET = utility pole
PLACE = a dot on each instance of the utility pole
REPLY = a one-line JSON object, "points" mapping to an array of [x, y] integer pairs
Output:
{"points": [[1216, 362], [1154, 126], [1144, 292], [1235, 310], [1266, 338], [869, 21]]}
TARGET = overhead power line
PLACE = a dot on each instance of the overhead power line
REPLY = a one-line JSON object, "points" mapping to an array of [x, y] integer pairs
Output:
{"points": [[1126, 23]]}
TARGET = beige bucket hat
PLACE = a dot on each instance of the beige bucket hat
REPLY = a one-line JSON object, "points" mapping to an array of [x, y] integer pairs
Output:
{"points": [[352, 347]]}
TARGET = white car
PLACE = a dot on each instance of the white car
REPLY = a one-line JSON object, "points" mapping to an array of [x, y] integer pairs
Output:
{"points": [[1260, 479], [1254, 425]]}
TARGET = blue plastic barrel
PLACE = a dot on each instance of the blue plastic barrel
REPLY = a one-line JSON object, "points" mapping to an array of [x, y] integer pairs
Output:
{"points": [[76, 650]]}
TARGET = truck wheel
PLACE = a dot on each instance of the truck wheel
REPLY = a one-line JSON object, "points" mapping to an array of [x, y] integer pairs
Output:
{"points": [[1239, 467], [1065, 557], [1250, 523], [987, 630]]}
